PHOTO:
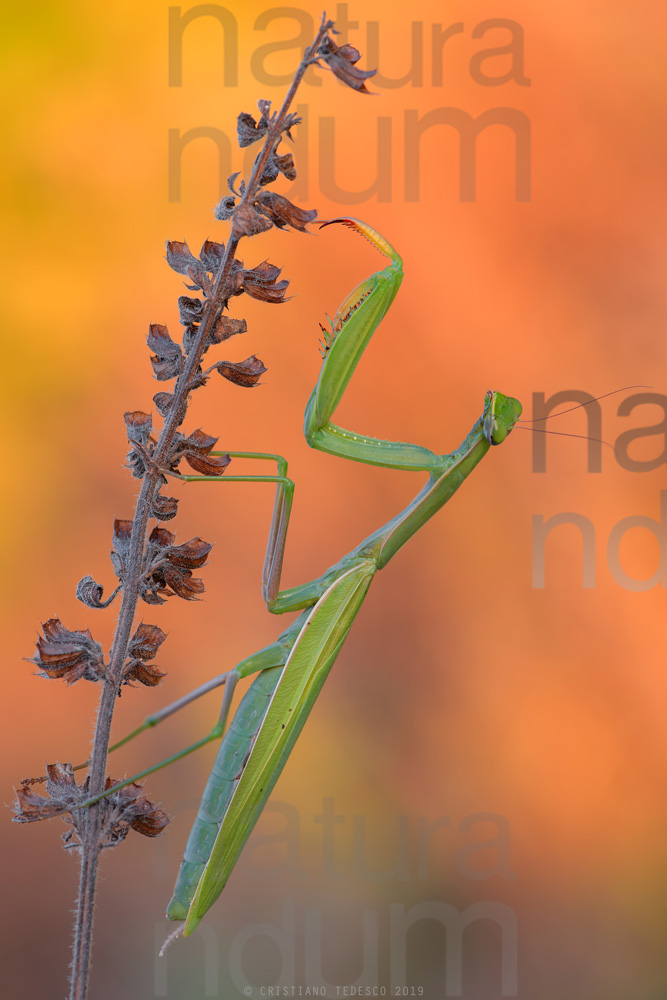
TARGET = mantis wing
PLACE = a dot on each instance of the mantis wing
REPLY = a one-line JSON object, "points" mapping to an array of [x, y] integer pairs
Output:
{"points": [[305, 671]]}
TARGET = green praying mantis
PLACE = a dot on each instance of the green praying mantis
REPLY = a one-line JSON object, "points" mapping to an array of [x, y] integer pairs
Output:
{"points": [[292, 669]]}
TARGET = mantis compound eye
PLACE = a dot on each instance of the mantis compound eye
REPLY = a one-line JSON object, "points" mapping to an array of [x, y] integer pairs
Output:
{"points": [[495, 431], [498, 432]]}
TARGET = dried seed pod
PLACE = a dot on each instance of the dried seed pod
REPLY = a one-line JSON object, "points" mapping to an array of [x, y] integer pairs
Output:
{"points": [[286, 166], [128, 810], [196, 450], [341, 61], [168, 567], [190, 310], [164, 508], [70, 655], [143, 647], [168, 359], [260, 283], [180, 257], [245, 373], [226, 327], [212, 255], [63, 794], [283, 213], [248, 130], [248, 222], [138, 426], [122, 530]]}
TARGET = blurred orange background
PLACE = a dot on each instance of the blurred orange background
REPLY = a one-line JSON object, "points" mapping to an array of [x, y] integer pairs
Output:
{"points": [[463, 691]]}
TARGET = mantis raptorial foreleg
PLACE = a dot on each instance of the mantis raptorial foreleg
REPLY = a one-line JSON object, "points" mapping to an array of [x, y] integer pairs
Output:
{"points": [[273, 711]]}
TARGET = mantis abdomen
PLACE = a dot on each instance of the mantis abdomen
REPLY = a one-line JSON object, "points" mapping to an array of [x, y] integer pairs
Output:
{"points": [[314, 652], [227, 769]]}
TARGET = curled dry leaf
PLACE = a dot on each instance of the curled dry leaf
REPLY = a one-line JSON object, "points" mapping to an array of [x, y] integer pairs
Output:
{"points": [[89, 592], [225, 208], [66, 654], [231, 181]]}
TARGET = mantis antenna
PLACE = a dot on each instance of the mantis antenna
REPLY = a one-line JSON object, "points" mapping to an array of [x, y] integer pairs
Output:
{"points": [[570, 409], [579, 405]]}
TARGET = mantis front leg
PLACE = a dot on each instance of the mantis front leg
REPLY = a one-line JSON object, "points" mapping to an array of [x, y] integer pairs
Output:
{"points": [[356, 320]]}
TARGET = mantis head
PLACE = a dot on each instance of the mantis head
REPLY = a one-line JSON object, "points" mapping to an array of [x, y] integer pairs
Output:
{"points": [[500, 415]]}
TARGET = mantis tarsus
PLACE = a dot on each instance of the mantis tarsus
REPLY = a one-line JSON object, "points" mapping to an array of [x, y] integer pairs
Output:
{"points": [[293, 669]]}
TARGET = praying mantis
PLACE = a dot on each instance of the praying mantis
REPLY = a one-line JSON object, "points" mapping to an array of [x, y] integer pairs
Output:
{"points": [[292, 669]]}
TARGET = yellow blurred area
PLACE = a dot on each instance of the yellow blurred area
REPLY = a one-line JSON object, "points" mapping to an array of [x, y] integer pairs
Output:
{"points": [[465, 690]]}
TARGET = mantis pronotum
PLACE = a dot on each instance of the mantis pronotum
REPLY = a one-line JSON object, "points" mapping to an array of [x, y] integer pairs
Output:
{"points": [[293, 669]]}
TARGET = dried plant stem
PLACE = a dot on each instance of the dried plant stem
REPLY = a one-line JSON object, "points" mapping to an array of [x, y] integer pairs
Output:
{"points": [[90, 849]]}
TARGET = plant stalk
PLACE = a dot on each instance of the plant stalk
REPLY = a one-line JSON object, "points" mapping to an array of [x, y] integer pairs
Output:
{"points": [[90, 847]]}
